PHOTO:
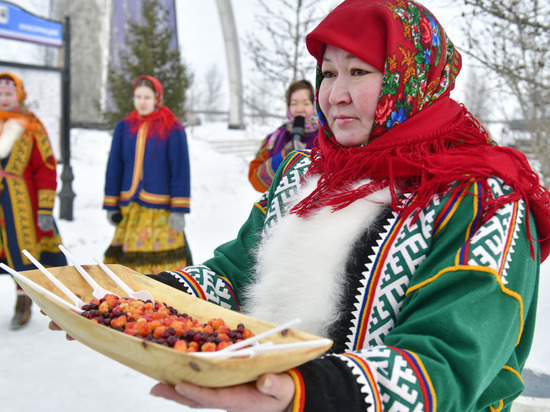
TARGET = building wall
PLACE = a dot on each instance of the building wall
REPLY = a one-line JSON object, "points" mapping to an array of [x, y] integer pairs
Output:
{"points": [[90, 31]]}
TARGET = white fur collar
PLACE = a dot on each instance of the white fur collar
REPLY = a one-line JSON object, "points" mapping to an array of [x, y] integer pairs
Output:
{"points": [[11, 131], [301, 262]]}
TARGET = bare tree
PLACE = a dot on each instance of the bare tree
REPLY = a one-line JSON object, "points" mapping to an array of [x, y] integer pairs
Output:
{"points": [[511, 38], [213, 92], [477, 96], [277, 49]]}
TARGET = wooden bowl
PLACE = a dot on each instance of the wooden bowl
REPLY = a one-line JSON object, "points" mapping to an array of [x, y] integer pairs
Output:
{"points": [[156, 361]]}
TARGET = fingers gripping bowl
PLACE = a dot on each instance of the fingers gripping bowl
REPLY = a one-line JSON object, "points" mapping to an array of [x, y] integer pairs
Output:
{"points": [[156, 361]]}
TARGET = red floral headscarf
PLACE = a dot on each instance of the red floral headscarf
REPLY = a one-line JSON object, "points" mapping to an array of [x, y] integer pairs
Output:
{"points": [[422, 141], [161, 121], [157, 87]]}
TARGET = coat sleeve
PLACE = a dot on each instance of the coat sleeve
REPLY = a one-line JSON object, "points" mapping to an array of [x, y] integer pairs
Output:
{"points": [[220, 279], [463, 333], [263, 167], [180, 171], [115, 169]]}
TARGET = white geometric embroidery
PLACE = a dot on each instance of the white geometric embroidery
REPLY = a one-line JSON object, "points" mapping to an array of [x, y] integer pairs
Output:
{"points": [[488, 242], [214, 288], [395, 379], [362, 380], [488, 245], [408, 252], [285, 192], [361, 294]]}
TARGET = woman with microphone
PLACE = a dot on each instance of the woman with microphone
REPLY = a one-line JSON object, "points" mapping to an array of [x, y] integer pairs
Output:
{"points": [[297, 133]]}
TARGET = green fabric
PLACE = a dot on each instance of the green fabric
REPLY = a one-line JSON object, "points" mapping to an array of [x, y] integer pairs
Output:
{"points": [[464, 359], [462, 320]]}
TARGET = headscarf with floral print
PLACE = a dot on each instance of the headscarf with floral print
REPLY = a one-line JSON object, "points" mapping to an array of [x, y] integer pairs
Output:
{"points": [[422, 141]]}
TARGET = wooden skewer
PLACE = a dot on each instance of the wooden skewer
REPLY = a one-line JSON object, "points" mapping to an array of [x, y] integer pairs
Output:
{"points": [[76, 300], [39, 288], [98, 292]]}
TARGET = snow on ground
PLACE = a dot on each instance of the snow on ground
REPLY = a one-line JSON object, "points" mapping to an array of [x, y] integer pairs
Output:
{"points": [[40, 370]]}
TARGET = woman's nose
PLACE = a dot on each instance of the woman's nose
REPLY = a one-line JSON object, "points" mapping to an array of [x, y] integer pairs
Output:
{"points": [[339, 92], [301, 109]]}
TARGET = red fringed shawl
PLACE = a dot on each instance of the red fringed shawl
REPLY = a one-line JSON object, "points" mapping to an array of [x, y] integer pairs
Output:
{"points": [[161, 122], [422, 141]]}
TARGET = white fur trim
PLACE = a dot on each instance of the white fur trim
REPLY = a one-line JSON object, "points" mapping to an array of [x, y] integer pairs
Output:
{"points": [[11, 131], [301, 262]]}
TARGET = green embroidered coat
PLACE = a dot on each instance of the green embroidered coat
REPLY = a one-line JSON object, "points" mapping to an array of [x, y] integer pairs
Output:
{"points": [[438, 313]]}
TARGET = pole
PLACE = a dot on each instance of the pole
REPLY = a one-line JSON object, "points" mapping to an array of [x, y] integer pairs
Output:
{"points": [[66, 194], [233, 64]]}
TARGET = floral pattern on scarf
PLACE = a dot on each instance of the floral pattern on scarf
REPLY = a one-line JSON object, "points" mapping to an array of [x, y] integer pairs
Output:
{"points": [[410, 83]]}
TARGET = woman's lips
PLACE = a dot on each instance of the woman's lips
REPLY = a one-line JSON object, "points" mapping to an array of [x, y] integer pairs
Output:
{"points": [[342, 121]]}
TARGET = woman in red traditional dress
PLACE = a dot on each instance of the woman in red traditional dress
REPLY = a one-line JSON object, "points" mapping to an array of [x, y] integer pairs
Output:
{"points": [[27, 190]]}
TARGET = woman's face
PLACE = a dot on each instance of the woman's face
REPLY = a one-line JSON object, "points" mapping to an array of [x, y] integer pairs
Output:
{"points": [[300, 103], [348, 96], [8, 98], [144, 100]]}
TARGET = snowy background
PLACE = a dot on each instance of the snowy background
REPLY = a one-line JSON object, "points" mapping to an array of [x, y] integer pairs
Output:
{"points": [[40, 370]]}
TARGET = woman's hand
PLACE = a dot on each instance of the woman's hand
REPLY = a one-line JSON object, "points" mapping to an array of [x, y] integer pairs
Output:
{"points": [[270, 393], [53, 326]]}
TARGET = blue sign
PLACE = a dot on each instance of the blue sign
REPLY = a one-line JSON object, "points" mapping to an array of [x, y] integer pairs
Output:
{"points": [[17, 24]]}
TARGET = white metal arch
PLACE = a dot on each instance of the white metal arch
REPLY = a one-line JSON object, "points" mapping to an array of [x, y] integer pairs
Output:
{"points": [[233, 63]]}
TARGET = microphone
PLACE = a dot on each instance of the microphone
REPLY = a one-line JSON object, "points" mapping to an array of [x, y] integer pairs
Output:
{"points": [[298, 129]]}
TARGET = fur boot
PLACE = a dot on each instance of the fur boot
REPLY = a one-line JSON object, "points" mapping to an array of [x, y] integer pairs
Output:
{"points": [[22, 311]]}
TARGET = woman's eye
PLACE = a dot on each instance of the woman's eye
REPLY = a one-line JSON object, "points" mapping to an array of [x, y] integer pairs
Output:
{"points": [[327, 74], [359, 72]]}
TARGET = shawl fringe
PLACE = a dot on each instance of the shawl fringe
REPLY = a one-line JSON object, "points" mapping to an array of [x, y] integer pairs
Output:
{"points": [[440, 162], [161, 122]]}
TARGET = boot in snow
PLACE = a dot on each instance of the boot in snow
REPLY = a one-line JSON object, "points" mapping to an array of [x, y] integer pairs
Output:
{"points": [[22, 311]]}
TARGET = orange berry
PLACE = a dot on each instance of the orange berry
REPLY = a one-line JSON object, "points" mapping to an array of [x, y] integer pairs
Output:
{"points": [[216, 323], [208, 347], [142, 327], [180, 345], [155, 324], [119, 322], [178, 327], [223, 344], [193, 347], [159, 330], [104, 307]]}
